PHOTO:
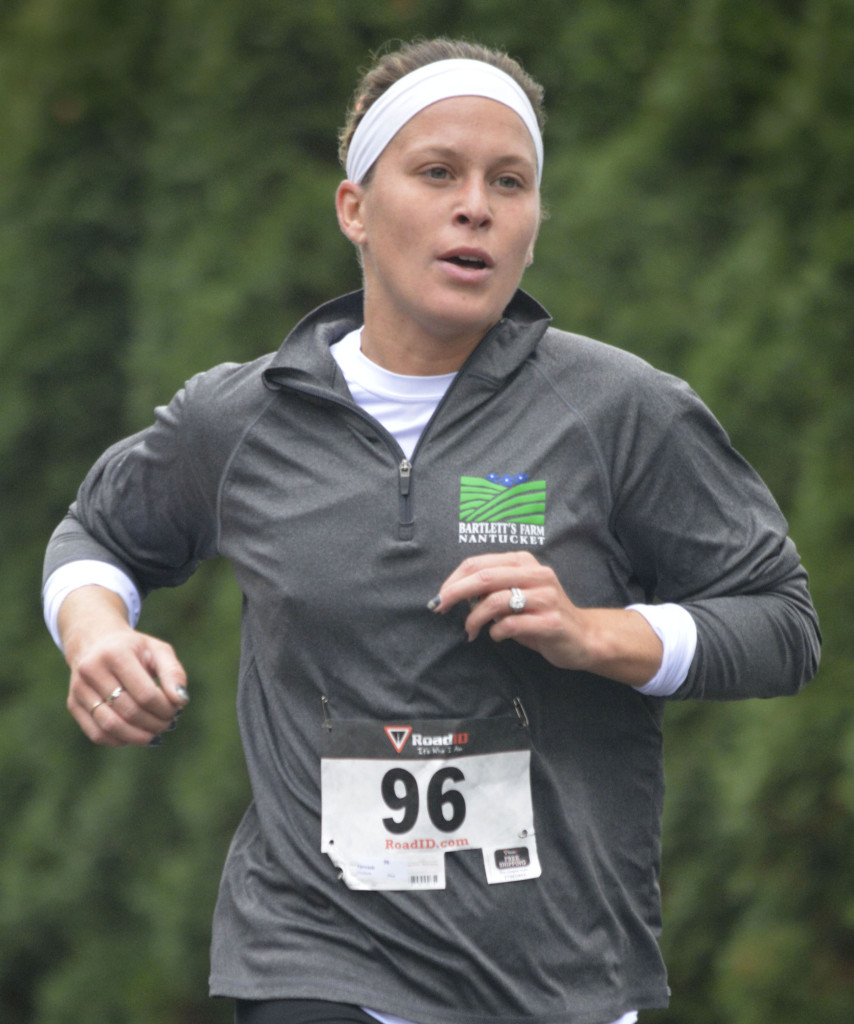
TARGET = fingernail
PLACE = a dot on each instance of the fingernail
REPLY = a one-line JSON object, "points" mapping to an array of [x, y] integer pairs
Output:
{"points": [[173, 725], [182, 693], [155, 741], [434, 603]]}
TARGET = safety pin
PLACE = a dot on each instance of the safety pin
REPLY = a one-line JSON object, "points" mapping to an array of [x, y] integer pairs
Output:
{"points": [[521, 714]]}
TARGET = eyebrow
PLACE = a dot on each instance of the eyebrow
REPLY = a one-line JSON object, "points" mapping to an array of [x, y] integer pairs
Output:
{"points": [[437, 149]]}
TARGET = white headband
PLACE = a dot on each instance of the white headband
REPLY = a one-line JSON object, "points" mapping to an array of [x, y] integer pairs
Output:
{"points": [[441, 80]]}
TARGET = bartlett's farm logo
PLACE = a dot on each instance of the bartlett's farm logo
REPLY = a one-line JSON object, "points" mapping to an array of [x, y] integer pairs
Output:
{"points": [[502, 509]]}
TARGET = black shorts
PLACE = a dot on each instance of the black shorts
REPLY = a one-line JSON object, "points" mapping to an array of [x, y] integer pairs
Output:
{"points": [[298, 1011]]}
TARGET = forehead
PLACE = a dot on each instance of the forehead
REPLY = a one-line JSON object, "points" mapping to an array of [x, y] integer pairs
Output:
{"points": [[473, 119]]}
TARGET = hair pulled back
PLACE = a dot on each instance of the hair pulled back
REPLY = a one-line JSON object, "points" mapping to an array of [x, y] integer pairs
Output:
{"points": [[390, 67]]}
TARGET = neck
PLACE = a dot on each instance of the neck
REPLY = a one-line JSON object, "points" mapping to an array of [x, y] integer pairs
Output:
{"points": [[408, 348]]}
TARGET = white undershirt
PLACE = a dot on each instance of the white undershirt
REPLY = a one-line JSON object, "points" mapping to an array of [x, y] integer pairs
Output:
{"points": [[386, 1018], [403, 405]]}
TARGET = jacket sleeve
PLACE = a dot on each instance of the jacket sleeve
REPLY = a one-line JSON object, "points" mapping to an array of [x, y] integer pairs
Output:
{"points": [[701, 529], [149, 504]]}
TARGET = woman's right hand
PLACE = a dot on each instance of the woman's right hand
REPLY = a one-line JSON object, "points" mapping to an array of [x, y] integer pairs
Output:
{"points": [[126, 687]]}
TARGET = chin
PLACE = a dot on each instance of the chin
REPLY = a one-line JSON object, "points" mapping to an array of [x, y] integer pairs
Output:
{"points": [[462, 315]]}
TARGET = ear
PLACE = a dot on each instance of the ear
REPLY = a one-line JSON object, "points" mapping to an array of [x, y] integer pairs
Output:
{"points": [[348, 206]]}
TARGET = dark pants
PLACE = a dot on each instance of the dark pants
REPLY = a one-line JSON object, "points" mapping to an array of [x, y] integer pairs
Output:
{"points": [[298, 1011]]}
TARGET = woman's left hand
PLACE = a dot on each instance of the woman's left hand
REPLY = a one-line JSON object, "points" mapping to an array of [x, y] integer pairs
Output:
{"points": [[613, 642]]}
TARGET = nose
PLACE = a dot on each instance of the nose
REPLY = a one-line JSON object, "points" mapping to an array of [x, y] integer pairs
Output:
{"points": [[473, 207]]}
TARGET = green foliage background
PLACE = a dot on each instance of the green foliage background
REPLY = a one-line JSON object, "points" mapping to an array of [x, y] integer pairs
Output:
{"points": [[166, 179]]}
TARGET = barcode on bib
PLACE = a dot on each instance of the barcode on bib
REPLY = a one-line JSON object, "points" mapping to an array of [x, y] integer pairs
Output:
{"points": [[423, 879]]}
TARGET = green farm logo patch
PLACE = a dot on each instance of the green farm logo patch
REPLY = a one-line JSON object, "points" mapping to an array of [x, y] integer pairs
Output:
{"points": [[502, 509]]}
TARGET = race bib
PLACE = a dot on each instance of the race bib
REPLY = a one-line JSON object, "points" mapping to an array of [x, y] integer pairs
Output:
{"points": [[396, 798]]}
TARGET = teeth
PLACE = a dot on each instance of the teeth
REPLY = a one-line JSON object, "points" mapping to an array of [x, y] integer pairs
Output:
{"points": [[469, 261]]}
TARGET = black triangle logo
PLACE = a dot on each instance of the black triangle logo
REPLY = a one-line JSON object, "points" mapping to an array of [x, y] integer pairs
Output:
{"points": [[398, 734]]}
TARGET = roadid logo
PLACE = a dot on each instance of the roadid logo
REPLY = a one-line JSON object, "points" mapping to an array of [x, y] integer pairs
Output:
{"points": [[425, 743], [502, 509]]}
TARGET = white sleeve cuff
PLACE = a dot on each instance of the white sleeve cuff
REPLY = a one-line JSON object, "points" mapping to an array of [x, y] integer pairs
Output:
{"points": [[83, 573], [677, 631]]}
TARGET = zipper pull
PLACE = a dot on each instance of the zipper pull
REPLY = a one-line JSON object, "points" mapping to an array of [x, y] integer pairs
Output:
{"points": [[405, 471]]}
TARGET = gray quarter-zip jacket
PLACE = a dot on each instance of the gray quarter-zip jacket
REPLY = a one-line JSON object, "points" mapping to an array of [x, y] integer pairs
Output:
{"points": [[337, 542]]}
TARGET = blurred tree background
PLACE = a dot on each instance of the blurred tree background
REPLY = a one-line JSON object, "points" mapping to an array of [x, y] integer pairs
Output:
{"points": [[167, 172]]}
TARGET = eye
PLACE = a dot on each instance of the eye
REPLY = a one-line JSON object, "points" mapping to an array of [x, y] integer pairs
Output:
{"points": [[508, 181], [436, 173]]}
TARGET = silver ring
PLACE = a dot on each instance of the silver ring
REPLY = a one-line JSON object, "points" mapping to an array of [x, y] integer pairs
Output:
{"points": [[517, 600], [95, 706], [115, 694]]}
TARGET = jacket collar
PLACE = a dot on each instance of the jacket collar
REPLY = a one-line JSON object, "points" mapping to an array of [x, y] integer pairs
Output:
{"points": [[304, 356]]}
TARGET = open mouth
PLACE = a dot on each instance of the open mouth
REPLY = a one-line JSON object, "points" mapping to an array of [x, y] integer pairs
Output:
{"points": [[469, 262]]}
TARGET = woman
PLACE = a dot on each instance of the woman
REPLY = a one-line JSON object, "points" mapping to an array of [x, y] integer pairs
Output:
{"points": [[457, 798]]}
